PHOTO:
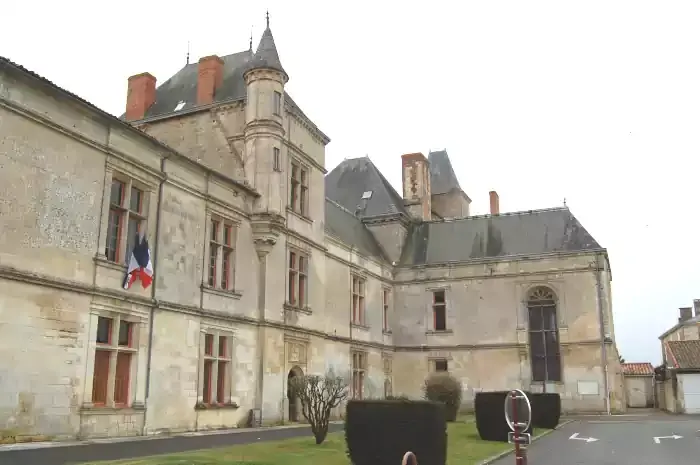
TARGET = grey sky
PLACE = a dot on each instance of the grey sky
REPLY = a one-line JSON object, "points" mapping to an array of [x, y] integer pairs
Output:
{"points": [[596, 102]]}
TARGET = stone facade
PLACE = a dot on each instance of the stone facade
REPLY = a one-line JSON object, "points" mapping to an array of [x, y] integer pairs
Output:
{"points": [[82, 357]]}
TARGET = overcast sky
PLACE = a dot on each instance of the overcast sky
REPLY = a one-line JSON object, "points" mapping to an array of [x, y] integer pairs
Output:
{"points": [[596, 102]]}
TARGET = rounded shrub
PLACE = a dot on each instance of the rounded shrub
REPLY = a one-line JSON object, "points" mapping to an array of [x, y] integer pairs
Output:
{"points": [[446, 389]]}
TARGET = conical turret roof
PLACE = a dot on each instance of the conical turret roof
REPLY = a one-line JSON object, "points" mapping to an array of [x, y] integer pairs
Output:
{"points": [[266, 55]]}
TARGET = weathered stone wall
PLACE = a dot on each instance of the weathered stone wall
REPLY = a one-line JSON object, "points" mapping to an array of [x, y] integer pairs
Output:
{"points": [[640, 392], [450, 205], [487, 317]]}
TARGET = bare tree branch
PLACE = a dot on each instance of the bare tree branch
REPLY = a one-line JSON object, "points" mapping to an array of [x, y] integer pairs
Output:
{"points": [[319, 395]]}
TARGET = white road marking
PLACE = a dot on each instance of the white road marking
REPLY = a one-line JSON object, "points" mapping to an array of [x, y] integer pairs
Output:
{"points": [[575, 436], [658, 439]]}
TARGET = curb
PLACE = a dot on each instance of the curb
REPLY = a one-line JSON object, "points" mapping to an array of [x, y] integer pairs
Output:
{"points": [[150, 437], [535, 439]]}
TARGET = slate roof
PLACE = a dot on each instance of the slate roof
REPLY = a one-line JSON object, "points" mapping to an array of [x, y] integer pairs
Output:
{"points": [[638, 369], [266, 55], [689, 322], [510, 234], [353, 177], [182, 86], [9, 64], [348, 228], [684, 355], [442, 176]]}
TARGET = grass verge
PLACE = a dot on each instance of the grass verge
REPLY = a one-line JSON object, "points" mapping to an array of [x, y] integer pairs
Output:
{"points": [[464, 448]]}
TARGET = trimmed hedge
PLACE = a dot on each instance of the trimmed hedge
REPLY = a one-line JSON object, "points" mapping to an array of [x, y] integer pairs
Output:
{"points": [[380, 432], [490, 417], [546, 409]]}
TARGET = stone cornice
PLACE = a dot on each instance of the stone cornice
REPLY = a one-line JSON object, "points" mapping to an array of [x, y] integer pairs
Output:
{"points": [[506, 258], [14, 274], [306, 122], [398, 217], [300, 153]]}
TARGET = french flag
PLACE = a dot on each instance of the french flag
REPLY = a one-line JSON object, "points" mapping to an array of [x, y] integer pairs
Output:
{"points": [[140, 265]]}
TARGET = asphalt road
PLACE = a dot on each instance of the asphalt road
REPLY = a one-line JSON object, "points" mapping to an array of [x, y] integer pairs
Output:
{"points": [[620, 441], [123, 450]]}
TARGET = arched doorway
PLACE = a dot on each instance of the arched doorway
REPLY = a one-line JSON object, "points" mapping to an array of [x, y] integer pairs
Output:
{"points": [[294, 401]]}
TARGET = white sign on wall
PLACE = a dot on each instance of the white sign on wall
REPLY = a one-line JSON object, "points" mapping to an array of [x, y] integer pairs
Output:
{"points": [[588, 388]]}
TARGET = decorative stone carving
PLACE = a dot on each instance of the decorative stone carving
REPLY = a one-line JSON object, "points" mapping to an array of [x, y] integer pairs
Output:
{"points": [[266, 229], [296, 352]]}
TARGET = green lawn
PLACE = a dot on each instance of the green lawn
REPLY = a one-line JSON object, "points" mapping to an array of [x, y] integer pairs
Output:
{"points": [[464, 448]]}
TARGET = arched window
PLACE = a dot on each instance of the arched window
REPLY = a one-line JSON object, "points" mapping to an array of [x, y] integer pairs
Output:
{"points": [[544, 335]]}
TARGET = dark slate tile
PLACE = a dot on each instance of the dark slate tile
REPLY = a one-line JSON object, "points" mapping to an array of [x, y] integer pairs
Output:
{"points": [[442, 176], [352, 178], [523, 233], [350, 229]]}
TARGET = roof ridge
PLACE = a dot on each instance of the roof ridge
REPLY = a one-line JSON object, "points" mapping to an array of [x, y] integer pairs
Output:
{"points": [[516, 213]]}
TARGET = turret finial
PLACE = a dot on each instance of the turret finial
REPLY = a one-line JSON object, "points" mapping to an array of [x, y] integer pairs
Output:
{"points": [[251, 40], [267, 18]]}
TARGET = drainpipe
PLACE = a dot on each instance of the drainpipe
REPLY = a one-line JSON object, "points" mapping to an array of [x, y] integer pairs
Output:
{"points": [[603, 347], [153, 289]]}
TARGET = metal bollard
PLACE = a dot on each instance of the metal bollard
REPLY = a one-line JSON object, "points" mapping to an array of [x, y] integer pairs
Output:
{"points": [[409, 458], [518, 424]]}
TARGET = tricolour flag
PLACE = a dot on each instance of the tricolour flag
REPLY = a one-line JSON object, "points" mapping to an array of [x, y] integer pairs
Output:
{"points": [[140, 265]]}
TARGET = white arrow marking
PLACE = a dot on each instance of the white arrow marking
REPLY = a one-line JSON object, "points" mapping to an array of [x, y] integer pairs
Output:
{"points": [[658, 439], [575, 436]]}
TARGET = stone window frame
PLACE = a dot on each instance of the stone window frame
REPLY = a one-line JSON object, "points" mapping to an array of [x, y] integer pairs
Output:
{"points": [[387, 301], [137, 368], [129, 178], [299, 184], [432, 327], [224, 220], [358, 368], [277, 103], [216, 358], [276, 159], [358, 313], [387, 363], [437, 363], [543, 296], [294, 272]]}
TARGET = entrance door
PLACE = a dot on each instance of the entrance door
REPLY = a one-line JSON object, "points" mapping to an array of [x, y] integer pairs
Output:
{"points": [[691, 392], [294, 401]]}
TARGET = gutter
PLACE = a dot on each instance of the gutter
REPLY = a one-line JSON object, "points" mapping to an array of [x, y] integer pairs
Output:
{"points": [[604, 349], [153, 288]]}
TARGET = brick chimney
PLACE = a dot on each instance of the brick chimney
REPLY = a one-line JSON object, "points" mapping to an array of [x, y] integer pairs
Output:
{"points": [[140, 95], [686, 314], [495, 203], [209, 78], [415, 175], [696, 306]]}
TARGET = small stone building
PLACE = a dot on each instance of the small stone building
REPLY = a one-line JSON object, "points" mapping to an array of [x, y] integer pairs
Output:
{"points": [[639, 384]]}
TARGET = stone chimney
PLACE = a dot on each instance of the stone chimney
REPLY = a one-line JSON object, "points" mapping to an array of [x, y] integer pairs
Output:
{"points": [[416, 185], [140, 96], [209, 78], [696, 306], [686, 314], [495, 203]]}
